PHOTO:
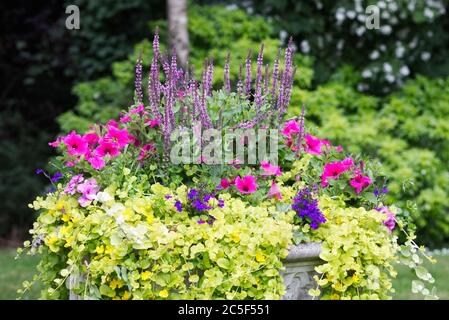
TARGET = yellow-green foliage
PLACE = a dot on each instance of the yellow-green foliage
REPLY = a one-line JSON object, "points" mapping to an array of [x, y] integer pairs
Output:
{"points": [[143, 248], [358, 253]]}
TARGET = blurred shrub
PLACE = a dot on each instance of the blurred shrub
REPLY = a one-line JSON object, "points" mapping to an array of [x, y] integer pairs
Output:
{"points": [[413, 37], [408, 131]]}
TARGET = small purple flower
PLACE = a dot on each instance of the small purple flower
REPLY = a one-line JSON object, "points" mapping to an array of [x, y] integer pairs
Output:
{"points": [[168, 197], [220, 203], [39, 171], [201, 221], [385, 190], [57, 176], [307, 209], [178, 206], [376, 192]]}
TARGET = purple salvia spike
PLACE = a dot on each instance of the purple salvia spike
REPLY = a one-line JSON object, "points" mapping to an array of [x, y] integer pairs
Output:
{"points": [[248, 78], [280, 96], [274, 80], [156, 44], [138, 80], [239, 82], [266, 80], [196, 101], [227, 81], [258, 91], [286, 79], [210, 77]]}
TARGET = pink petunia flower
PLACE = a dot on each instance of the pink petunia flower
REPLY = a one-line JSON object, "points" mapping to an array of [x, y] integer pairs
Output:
{"points": [[389, 221], [119, 136], [247, 185], [107, 147], [274, 191], [333, 170], [360, 182], [153, 122], [96, 162], [112, 123], [71, 186], [89, 189], [91, 139], [314, 145], [225, 183], [126, 118], [75, 144], [146, 150], [139, 109], [55, 143], [290, 127], [269, 169]]}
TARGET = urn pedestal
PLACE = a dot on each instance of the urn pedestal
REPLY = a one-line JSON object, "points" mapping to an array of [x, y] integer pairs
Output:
{"points": [[299, 270]]}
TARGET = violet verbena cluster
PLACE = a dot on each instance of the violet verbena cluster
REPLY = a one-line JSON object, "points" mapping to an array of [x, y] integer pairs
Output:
{"points": [[307, 209]]}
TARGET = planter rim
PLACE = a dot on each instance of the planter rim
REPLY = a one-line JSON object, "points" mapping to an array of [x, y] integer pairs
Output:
{"points": [[303, 252]]}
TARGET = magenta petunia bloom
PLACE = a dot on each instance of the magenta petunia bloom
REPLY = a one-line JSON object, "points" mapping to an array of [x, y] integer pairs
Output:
{"points": [[119, 136], [146, 150], [274, 191], [112, 123], [139, 109], [126, 118], [153, 122], [75, 144], [360, 182], [91, 139], [269, 169], [96, 162], [314, 145], [290, 127], [247, 185], [107, 147], [225, 183]]}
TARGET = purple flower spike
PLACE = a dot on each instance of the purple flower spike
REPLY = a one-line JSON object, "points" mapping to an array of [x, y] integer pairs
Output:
{"points": [[248, 78], [138, 80], [57, 176], [227, 81], [258, 91], [240, 82]]}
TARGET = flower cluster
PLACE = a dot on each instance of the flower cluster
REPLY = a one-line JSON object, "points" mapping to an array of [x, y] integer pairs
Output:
{"points": [[307, 209], [128, 217]]}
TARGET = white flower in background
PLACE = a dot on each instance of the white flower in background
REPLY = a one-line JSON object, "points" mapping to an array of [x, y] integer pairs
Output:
{"points": [[392, 6], [367, 73], [340, 44], [381, 4], [404, 71], [374, 55], [362, 87], [383, 47], [340, 15], [428, 13], [387, 67], [360, 31], [399, 52], [350, 14], [305, 46], [115, 209], [390, 78], [386, 29], [361, 18], [425, 56], [283, 35]]}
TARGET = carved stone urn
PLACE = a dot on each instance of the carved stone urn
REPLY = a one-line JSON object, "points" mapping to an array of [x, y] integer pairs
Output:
{"points": [[299, 270], [298, 274]]}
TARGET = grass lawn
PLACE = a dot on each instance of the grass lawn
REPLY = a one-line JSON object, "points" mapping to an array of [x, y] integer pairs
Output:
{"points": [[13, 272]]}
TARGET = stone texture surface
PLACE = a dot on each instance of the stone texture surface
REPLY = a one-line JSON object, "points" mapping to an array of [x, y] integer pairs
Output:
{"points": [[299, 270]]}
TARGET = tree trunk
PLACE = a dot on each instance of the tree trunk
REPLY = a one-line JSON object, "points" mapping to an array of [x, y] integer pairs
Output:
{"points": [[177, 27]]}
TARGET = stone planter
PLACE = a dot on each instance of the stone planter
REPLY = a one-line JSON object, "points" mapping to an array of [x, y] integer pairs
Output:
{"points": [[298, 274], [300, 269]]}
